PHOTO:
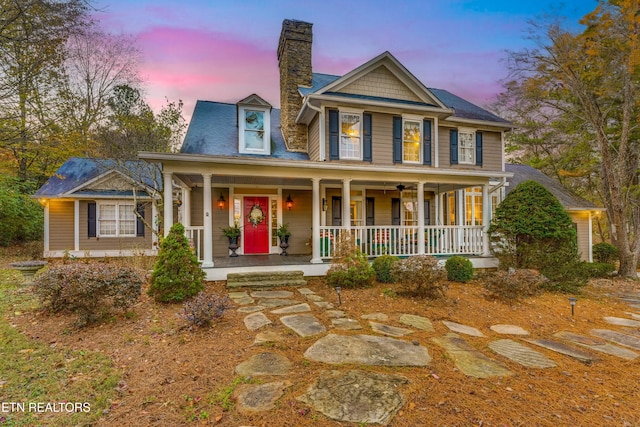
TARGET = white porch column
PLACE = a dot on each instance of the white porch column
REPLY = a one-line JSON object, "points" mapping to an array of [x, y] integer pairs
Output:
{"points": [[346, 203], [186, 207], [486, 219], [76, 225], [168, 202], [154, 226], [315, 221], [207, 252], [420, 218]]}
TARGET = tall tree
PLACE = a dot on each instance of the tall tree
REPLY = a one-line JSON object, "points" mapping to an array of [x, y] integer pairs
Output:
{"points": [[32, 39], [587, 86]]}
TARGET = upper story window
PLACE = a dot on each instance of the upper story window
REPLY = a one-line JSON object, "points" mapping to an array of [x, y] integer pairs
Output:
{"points": [[254, 126], [466, 146], [116, 219], [350, 135], [411, 140]]}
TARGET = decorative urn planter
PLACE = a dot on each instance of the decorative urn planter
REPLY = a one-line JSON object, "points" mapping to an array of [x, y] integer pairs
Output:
{"points": [[28, 269], [233, 246], [284, 244]]}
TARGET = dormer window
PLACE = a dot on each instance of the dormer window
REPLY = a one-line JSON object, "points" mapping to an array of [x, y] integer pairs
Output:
{"points": [[254, 126]]}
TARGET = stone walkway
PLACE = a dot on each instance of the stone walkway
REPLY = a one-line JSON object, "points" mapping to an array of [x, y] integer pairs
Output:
{"points": [[364, 396]]}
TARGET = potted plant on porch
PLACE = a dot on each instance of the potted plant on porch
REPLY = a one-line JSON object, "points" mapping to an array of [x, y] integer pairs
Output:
{"points": [[232, 232], [283, 233]]}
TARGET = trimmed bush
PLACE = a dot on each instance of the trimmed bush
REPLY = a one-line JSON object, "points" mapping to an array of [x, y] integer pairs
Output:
{"points": [[89, 290], [605, 252], [459, 269], [599, 269], [512, 285], [202, 310], [566, 277], [350, 268], [420, 275], [382, 266], [177, 274]]}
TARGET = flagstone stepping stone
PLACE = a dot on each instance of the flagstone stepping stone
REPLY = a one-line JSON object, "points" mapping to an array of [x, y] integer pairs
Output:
{"points": [[298, 308], [241, 298], [617, 337], [255, 321], [314, 297], [521, 354], [619, 321], [253, 398], [305, 325], [305, 291], [238, 294], [346, 324], [380, 317], [462, 329], [264, 364], [251, 308], [272, 294], [323, 304], [558, 347], [367, 350], [335, 314], [469, 360], [634, 315], [276, 302], [509, 330], [392, 331], [356, 396], [268, 336], [597, 345], [417, 322]]}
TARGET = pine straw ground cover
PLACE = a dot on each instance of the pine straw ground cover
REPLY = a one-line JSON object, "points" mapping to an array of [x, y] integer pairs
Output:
{"points": [[171, 376]]}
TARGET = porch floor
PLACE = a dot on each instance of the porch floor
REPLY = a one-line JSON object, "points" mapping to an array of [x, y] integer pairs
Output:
{"points": [[260, 260]]}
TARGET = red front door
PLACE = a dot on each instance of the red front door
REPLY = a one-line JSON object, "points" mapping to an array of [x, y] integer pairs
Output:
{"points": [[256, 225]]}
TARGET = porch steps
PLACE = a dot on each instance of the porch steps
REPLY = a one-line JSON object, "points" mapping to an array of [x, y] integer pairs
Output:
{"points": [[267, 279]]}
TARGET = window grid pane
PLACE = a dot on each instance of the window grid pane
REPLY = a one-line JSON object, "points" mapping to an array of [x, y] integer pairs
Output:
{"points": [[107, 221], [254, 130], [467, 147], [411, 140], [350, 136]]}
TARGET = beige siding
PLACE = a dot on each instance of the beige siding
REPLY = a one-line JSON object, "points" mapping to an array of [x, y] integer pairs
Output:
{"points": [[299, 221], [196, 206], [61, 234], [382, 138], [112, 243], [381, 82], [491, 151], [581, 219], [314, 139], [220, 219]]}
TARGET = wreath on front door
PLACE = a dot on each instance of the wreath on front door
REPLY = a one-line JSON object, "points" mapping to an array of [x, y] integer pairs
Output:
{"points": [[256, 215]]}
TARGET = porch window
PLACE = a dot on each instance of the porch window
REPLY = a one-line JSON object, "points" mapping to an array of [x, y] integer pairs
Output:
{"points": [[466, 146], [274, 222], [409, 213], [412, 135], [350, 136], [116, 220], [473, 206], [451, 207]]}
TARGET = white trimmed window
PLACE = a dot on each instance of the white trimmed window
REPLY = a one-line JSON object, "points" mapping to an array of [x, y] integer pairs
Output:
{"points": [[466, 146], [254, 130], [411, 140], [350, 135], [473, 206], [116, 219]]}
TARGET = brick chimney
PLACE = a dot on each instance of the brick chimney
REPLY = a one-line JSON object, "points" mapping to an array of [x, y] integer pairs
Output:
{"points": [[294, 61]]}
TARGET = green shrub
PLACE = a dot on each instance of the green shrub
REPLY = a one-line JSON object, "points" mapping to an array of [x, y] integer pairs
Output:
{"points": [[420, 275], [21, 217], [605, 252], [89, 290], [350, 268], [459, 269], [382, 266], [511, 285], [599, 269], [566, 277], [177, 274], [205, 308]]}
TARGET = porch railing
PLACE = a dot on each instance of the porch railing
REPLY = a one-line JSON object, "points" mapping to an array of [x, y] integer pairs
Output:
{"points": [[195, 235], [403, 240]]}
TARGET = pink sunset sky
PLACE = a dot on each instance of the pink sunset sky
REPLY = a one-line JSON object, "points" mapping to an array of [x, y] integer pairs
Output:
{"points": [[226, 50]]}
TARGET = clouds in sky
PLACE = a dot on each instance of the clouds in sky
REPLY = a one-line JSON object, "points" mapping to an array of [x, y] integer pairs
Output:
{"points": [[226, 50]]}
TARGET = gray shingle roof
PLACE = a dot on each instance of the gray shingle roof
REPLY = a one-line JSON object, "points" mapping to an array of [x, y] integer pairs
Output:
{"points": [[523, 173], [213, 131], [77, 171], [318, 81]]}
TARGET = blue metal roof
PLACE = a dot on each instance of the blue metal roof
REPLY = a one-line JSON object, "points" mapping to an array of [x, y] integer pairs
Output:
{"points": [[77, 171], [464, 109], [379, 98], [213, 131], [318, 81]]}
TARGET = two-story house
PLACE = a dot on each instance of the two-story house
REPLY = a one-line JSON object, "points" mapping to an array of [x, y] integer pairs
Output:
{"points": [[404, 168]]}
